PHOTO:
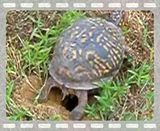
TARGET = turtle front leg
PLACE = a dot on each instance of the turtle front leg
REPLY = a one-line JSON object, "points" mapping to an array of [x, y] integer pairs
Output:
{"points": [[78, 112], [43, 95]]}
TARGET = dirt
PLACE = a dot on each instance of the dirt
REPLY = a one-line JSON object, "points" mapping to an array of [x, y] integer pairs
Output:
{"points": [[26, 92], [19, 25]]}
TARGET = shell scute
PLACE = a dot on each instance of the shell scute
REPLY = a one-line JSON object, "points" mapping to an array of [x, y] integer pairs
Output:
{"points": [[88, 51]]}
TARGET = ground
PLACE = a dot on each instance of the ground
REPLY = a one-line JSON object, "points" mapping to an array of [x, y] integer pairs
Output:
{"points": [[31, 36]]}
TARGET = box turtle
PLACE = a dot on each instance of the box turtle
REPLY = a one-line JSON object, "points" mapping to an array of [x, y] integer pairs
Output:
{"points": [[89, 51]]}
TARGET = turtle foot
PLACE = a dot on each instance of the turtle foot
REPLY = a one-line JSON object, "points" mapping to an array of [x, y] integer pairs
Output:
{"points": [[77, 113], [44, 92]]}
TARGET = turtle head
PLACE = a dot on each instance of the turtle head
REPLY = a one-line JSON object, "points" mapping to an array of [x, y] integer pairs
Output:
{"points": [[115, 16]]}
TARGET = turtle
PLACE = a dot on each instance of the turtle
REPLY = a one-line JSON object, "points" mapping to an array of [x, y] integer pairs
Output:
{"points": [[90, 50]]}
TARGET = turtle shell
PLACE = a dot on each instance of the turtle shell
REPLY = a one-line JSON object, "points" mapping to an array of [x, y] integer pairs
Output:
{"points": [[88, 51]]}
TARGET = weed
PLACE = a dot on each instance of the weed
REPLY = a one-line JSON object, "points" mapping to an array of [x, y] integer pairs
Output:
{"points": [[36, 52], [55, 118], [34, 56], [113, 94]]}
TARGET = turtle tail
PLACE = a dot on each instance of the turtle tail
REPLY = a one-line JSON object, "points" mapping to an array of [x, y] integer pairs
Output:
{"points": [[115, 16]]}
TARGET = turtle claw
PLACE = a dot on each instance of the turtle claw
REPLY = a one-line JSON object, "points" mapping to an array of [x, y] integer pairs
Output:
{"points": [[64, 93], [43, 95], [77, 113]]}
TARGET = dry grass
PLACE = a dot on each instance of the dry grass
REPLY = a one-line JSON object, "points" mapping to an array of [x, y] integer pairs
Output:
{"points": [[31, 36]]}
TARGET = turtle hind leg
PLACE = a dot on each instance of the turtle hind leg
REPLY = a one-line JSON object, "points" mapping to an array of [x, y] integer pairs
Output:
{"points": [[44, 92], [78, 112]]}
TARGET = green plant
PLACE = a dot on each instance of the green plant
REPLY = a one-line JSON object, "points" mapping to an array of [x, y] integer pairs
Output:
{"points": [[34, 56]]}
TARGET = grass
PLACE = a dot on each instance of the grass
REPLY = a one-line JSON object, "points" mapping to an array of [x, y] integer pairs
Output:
{"points": [[36, 56], [114, 99], [33, 57], [15, 112], [113, 96], [55, 118]]}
